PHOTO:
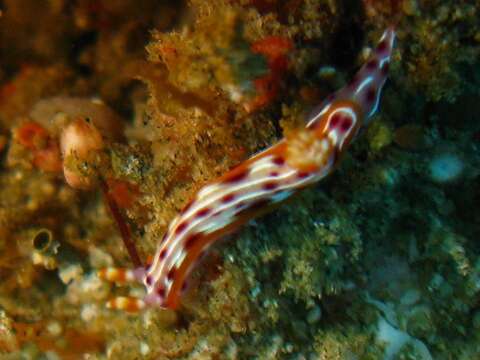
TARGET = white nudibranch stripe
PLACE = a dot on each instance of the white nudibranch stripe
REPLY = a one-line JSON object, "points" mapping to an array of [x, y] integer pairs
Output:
{"points": [[266, 179], [363, 84], [319, 115]]}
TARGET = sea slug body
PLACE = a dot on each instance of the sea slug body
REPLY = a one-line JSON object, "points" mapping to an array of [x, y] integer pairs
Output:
{"points": [[259, 184]]}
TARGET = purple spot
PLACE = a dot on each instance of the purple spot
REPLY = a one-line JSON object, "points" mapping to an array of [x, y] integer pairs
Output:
{"points": [[335, 120], [385, 68], [240, 205], [346, 124], [303, 174], [184, 287], [382, 46], [236, 176], [269, 186], [171, 274], [181, 227], [163, 254], [228, 198], [372, 64], [203, 212], [259, 204], [279, 161], [149, 280], [274, 174], [370, 96], [191, 240], [161, 292]]}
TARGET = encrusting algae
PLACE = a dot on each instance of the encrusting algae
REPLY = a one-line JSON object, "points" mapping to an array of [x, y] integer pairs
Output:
{"points": [[114, 114]]}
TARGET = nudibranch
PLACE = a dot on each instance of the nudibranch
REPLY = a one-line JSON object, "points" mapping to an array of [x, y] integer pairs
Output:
{"points": [[254, 187]]}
